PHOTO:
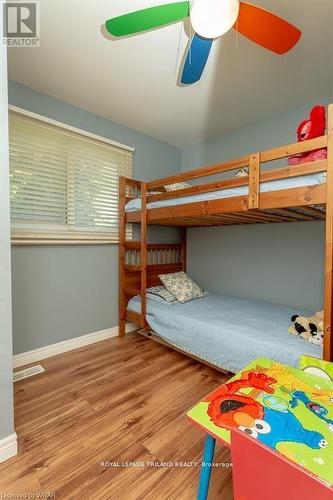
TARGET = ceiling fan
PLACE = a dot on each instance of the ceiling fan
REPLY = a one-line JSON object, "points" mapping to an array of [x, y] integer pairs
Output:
{"points": [[210, 19]]}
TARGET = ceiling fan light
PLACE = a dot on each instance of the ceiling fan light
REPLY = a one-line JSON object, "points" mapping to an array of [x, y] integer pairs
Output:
{"points": [[213, 18]]}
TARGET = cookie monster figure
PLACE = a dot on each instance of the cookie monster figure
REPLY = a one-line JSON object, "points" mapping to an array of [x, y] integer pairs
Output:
{"points": [[284, 426]]}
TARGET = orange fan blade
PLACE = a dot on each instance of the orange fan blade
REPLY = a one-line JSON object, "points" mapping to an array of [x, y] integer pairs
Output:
{"points": [[266, 29]]}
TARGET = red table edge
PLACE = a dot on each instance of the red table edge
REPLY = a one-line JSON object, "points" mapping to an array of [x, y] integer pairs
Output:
{"points": [[271, 450]]}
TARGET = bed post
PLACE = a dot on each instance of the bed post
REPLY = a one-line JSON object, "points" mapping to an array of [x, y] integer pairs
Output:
{"points": [[184, 249], [143, 253], [121, 257], [254, 181], [328, 313]]}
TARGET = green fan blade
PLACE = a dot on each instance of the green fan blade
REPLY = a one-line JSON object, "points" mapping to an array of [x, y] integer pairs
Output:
{"points": [[146, 19]]}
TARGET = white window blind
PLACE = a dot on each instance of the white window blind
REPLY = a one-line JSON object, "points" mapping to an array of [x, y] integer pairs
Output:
{"points": [[63, 185]]}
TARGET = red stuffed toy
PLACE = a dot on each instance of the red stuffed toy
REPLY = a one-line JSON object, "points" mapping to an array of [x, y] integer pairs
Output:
{"points": [[310, 129]]}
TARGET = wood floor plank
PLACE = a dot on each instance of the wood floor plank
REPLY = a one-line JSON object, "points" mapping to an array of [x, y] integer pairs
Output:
{"points": [[120, 400]]}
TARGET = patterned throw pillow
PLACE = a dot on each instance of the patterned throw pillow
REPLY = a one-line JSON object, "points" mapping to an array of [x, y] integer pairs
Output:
{"points": [[181, 286], [177, 185], [161, 294]]}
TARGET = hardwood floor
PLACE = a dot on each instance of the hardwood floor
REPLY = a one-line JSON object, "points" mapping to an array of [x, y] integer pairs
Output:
{"points": [[123, 399]]}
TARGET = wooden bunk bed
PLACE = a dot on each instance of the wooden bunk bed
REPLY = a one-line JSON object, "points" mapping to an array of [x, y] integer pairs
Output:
{"points": [[141, 262]]}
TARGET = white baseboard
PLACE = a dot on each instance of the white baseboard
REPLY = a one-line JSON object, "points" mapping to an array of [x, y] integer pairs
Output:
{"points": [[8, 447], [67, 345]]}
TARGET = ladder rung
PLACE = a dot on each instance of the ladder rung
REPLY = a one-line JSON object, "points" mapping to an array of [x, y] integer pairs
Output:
{"points": [[155, 267], [132, 269], [152, 246], [132, 244], [132, 291]]}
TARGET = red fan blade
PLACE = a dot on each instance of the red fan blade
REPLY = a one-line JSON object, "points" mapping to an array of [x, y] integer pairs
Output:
{"points": [[266, 29]]}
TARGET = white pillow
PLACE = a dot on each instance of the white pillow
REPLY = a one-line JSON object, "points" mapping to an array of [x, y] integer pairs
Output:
{"points": [[177, 185], [181, 286]]}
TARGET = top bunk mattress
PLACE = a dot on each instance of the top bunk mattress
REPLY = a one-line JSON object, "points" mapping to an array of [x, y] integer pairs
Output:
{"points": [[228, 332], [291, 182]]}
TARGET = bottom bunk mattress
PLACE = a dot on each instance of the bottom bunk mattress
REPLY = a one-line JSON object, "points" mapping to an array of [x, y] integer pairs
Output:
{"points": [[228, 332]]}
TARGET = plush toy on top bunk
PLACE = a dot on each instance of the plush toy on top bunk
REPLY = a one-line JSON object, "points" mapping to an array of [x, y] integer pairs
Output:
{"points": [[310, 129], [309, 328], [242, 172]]}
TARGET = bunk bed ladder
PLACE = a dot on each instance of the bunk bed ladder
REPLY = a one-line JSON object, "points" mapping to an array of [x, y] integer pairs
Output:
{"points": [[132, 275], [140, 262], [328, 313]]}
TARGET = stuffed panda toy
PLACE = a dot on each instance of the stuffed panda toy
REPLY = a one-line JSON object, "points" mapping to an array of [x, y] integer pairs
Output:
{"points": [[309, 328], [242, 172]]}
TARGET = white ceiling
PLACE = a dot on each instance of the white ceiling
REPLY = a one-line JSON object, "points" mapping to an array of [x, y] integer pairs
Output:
{"points": [[133, 81]]}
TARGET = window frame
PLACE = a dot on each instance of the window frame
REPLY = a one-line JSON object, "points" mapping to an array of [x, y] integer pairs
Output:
{"points": [[61, 235]]}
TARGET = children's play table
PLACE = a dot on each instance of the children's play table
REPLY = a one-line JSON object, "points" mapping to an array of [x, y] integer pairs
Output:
{"points": [[278, 421]]}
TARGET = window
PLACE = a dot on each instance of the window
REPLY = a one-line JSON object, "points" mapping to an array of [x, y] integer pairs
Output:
{"points": [[63, 184]]}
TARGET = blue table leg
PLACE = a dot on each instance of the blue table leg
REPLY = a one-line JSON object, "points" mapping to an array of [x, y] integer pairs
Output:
{"points": [[206, 467]]}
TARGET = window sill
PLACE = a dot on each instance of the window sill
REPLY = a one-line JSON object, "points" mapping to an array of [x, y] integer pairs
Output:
{"points": [[59, 238], [66, 242]]}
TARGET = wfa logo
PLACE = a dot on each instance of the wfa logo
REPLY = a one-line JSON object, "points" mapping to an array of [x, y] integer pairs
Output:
{"points": [[21, 24]]}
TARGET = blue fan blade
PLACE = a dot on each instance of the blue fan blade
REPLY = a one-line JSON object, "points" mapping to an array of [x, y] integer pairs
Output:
{"points": [[196, 59]]}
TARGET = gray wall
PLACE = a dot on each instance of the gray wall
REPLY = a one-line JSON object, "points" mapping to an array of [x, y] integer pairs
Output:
{"points": [[263, 135], [281, 263], [6, 365], [63, 292]]}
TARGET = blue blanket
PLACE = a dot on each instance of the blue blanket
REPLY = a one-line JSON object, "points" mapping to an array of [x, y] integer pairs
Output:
{"points": [[292, 182], [227, 331]]}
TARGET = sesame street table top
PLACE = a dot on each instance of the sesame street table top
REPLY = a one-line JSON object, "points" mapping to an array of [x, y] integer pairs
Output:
{"points": [[282, 407]]}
